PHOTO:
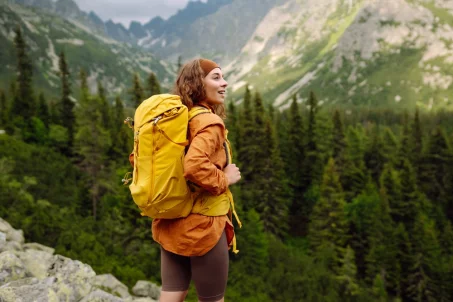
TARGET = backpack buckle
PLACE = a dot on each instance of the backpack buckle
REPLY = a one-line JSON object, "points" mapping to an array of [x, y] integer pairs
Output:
{"points": [[155, 120], [130, 122]]}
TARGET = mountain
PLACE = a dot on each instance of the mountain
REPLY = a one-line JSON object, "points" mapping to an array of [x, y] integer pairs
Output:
{"points": [[351, 52], [47, 34], [220, 34]]}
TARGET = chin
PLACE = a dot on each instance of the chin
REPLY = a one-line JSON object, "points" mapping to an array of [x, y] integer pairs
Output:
{"points": [[217, 102]]}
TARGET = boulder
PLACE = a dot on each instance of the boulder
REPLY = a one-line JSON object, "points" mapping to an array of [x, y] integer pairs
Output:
{"points": [[101, 296], [73, 279], [11, 234], [146, 289], [12, 246], [110, 284], [38, 247], [11, 268], [147, 299], [29, 289], [2, 242], [36, 262]]}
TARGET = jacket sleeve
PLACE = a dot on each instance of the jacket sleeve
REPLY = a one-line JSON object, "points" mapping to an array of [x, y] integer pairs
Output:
{"points": [[197, 165]]}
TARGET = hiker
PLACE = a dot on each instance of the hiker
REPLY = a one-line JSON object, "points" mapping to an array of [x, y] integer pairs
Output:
{"points": [[196, 247]]}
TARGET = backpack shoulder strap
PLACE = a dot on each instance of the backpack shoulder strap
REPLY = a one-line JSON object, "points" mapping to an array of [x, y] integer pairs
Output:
{"points": [[197, 110]]}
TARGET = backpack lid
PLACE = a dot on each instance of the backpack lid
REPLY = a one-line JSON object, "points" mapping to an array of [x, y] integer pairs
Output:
{"points": [[155, 106]]}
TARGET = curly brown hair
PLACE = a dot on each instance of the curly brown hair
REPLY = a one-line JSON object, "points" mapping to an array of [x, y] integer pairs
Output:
{"points": [[190, 87]]}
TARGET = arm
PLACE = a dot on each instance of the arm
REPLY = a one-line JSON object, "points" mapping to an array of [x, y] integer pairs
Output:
{"points": [[197, 166]]}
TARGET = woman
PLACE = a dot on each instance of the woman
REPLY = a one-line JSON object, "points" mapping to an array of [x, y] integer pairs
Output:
{"points": [[196, 247]]}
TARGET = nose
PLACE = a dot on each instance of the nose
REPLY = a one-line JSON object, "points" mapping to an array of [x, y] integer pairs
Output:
{"points": [[225, 83]]}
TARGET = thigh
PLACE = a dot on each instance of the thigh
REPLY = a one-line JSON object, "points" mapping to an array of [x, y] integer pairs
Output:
{"points": [[175, 271], [210, 272]]}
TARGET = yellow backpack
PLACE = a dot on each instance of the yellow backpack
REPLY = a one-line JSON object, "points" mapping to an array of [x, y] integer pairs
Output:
{"points": [[160, 136]]}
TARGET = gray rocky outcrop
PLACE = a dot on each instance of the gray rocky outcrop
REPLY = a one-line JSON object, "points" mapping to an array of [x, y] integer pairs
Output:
{"points": [[32, 272], [146, 289]]}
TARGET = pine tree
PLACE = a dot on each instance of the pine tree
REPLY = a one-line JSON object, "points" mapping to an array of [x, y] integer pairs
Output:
{"points": [[179, 64], [423, 285], [121, 134], [391, 185], [354, 175], [390, 146], [295, 154], [347, 276], [272, 189], [118, 114], [4, 110], [411, 200], [446, 243], [24, 104], [137, 91], [153, 85], [328, 224], [416, 143], [339, 141], [404, 150], [259, 144], [271, 112], [43, 110], [374, 156], [403, 256], [232, 125], [361, 214], [54, 112], [67, 105], [246, 154], [379, 292], [105, 107], [435, 166], [382, 255], [311, 171], [92, 142]]}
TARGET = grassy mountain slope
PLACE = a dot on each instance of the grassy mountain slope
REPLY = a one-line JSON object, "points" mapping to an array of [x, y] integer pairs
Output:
{"points": [[351, 52], [46, 35]]}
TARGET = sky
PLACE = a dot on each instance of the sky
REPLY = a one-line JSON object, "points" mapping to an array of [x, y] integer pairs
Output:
{"points": [[125, 11]]}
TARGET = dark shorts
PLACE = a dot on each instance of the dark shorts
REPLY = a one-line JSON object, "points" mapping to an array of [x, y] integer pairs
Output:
{"points": [[209, 272]]}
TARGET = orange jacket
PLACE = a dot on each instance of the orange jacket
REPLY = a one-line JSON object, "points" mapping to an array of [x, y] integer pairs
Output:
{"points": [[196, 234]]}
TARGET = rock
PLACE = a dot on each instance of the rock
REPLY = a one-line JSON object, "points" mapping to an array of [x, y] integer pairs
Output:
{"points": [[11, 234], [16, 236], [5, 227], [147, 299], [2, 241], [73, 278], [21, 282], [12, 246], [101, 296], [110, 284], [38, 247], [36, 262], [146, 289], [35, 290], [11, 268]]}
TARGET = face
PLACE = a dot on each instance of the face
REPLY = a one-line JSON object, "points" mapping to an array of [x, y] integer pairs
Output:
{"points": [[215, 87]]}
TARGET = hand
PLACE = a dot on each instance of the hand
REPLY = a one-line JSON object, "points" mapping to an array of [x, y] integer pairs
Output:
{"points": [[232, 173]]}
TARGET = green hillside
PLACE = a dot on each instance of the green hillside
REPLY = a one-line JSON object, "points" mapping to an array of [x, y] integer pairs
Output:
{"points": [[47, 35]]}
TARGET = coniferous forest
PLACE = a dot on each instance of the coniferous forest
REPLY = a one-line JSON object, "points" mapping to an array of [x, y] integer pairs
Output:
{"points": [[337, 204]]}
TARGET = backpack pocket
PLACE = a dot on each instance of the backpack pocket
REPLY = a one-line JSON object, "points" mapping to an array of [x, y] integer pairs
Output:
{"points": [[171, 197], [142, 183]]}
